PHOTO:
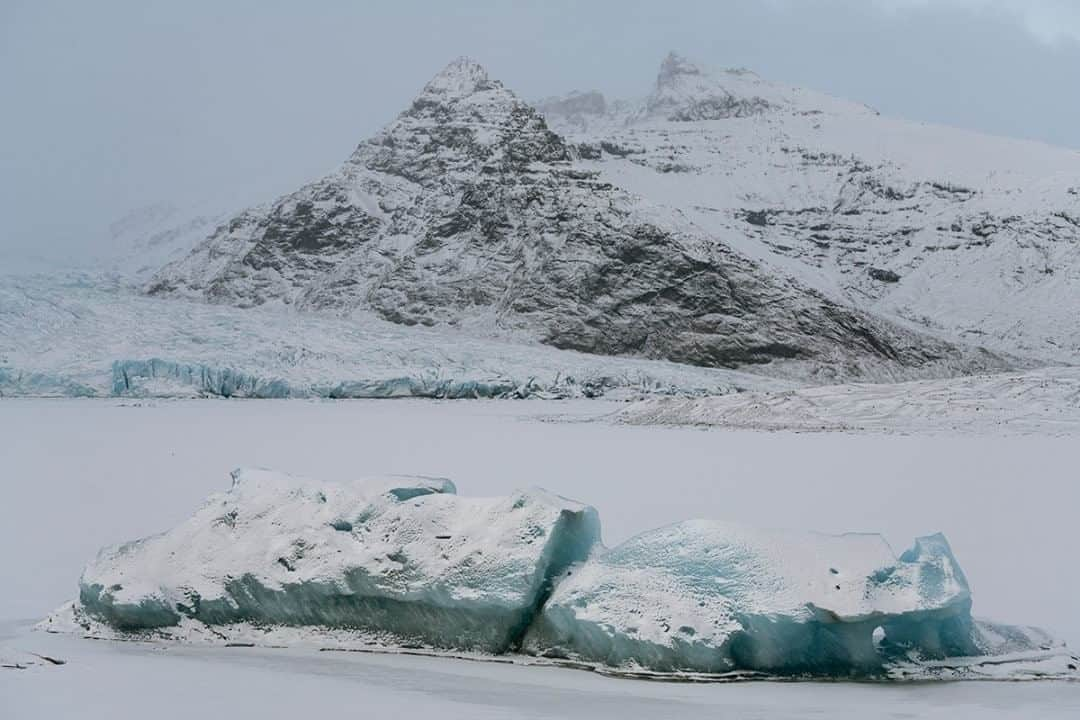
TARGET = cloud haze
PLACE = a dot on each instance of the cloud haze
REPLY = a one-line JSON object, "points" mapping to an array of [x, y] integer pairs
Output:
{"points": [[114, 105], [1048, 20]]}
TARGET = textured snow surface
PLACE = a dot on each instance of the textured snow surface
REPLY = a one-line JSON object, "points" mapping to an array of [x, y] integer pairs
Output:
{"points": [[1046, 402], [84, 337], [406, 562]]}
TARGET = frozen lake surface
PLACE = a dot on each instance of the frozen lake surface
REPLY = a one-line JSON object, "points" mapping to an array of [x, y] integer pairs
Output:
{"points": [[79, 474], [133, 680]]}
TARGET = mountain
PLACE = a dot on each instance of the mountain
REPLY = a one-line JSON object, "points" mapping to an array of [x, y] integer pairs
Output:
{"points": [[468, 210], [971, 237]]}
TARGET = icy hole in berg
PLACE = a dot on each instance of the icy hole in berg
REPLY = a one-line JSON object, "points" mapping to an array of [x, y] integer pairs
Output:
{"points": [[413, 563]]}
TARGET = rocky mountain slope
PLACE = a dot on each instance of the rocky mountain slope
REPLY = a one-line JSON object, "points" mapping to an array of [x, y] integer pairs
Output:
{"points": [[972, 237], [468, 210]]}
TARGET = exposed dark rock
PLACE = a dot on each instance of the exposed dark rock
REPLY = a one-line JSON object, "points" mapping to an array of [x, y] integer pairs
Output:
{"points": [[756, 217], [883, 275]]}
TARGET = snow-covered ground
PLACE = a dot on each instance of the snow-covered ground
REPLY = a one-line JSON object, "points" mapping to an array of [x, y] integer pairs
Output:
{"points": [[1043, 402], [132, 468]]}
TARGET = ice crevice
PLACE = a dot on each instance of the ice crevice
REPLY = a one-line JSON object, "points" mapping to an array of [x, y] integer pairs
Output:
{"points": [[407, 562]]}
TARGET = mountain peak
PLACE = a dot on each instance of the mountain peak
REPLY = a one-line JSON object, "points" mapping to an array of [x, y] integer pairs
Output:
{"points": [[463, 76], [686, 91], [675, 66]]}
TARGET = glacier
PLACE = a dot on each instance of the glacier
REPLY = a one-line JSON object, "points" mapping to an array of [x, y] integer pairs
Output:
{"points": [[86, 336], [398, 562], [1044, 402]]}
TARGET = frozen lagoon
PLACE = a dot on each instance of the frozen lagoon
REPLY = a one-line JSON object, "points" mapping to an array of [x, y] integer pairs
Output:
{"points": [[134, 680], [102, 471]]}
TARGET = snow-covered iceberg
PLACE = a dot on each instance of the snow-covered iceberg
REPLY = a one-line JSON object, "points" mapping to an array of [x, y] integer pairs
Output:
{"points": [[396, 562], [716, 597], [402, 556]]}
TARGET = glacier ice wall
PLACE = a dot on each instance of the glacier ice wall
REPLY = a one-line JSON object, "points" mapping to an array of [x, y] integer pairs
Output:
{"points": [[406, 561], [156, 377], [132, 377], [15, 382], [404, 556]]}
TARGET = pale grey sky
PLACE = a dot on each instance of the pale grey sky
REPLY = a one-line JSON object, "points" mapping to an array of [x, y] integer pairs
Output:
{"points": [[111, 105]]}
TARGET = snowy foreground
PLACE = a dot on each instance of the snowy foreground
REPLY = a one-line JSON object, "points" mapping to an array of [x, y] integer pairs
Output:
{"points": [[1008, 504]]}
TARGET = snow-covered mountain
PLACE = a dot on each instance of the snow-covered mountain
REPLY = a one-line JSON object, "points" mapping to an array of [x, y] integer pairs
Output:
{"points": [[975, 238], [468, 210]]}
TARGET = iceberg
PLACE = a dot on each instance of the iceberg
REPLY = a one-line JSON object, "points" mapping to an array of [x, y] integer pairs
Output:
{"points": [[404, 562], [405, 557], [711, 597]]}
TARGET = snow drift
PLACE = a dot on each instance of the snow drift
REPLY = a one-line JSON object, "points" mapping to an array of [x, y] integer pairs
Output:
{"points": [[405, 562]]}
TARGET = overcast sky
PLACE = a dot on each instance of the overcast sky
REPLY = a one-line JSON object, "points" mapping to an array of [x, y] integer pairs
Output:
{"points": [[109, 106]]}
